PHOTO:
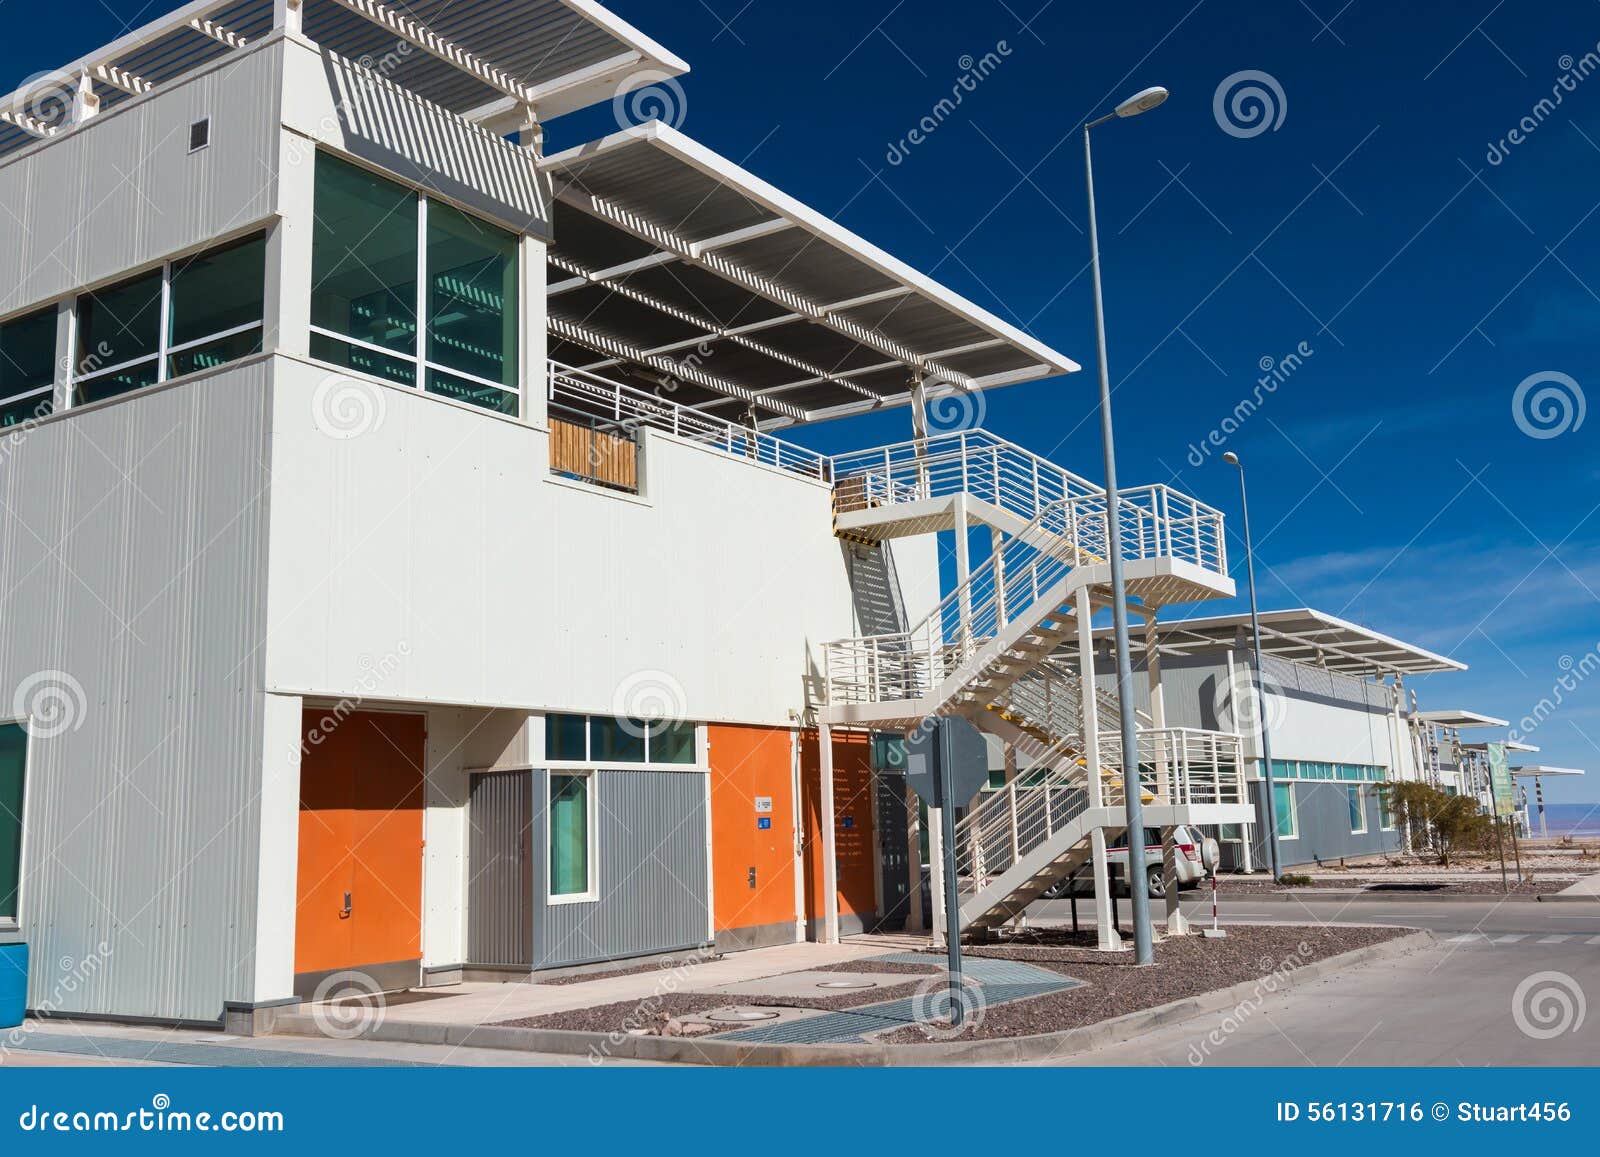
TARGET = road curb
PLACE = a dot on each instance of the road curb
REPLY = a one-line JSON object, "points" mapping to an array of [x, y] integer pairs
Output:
{"points": [[600, 1047], [1331, 895]]}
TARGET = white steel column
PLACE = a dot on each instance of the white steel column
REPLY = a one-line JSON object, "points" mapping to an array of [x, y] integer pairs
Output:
{"points": [[830, 842], [936, 874], [287, 323], [66, 353], [533, 368], [963, 566], [1166, 775], [1109, 940], [286, 15]]}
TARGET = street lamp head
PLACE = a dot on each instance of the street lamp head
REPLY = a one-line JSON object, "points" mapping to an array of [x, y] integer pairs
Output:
{"points": [[1231, 458], [1142, 101]]}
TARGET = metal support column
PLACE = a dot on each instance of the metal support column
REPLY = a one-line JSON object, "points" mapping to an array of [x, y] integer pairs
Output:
{"points": [[830, 842], [1104, 902]]}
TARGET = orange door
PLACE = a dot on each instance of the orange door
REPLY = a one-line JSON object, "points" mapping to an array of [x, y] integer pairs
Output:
{"points": [[853, 825], [752, 830], [359, 900]]}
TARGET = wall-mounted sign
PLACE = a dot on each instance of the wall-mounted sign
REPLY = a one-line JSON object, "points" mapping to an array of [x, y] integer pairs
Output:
{"points": [[849, 821], [764, 804], [764, 824]]}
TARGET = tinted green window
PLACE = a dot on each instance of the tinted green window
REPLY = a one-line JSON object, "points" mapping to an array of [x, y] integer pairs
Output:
{"points": [[363, 360], [1358, 809], [564, 737], [119, 327], [569, 835], [27, 354], [215, 294], [616, 740], [1283, 802], [364, 257], [16, 412], [472, 296], [672, 743], [13, 766], [473, 393]]}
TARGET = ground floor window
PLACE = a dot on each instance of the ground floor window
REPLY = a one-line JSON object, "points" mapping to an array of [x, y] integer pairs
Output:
{"points": [[1385, 816], [1283, 802], [13, 768], [1358, 810], [571, 836]]}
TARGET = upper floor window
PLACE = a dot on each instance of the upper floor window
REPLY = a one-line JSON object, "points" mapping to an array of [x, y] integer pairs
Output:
{"points": [[192, 314], [27, 367], [412, 290], [603, 739]]}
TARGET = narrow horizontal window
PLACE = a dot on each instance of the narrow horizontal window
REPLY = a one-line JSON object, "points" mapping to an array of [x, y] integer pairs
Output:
{"points": [[566, 737], [672, 743]]}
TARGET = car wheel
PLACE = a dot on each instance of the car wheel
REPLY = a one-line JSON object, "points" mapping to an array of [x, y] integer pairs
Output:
{"points": [[1156, 889]]}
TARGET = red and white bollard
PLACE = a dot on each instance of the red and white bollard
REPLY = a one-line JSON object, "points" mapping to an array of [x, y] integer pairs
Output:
{"points": [[1214, 932]]}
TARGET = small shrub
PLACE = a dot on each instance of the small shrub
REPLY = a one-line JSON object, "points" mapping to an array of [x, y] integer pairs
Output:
{"points": [[1295, 880]]}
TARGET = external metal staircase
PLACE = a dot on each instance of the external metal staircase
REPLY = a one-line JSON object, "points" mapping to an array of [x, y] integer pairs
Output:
{"points": [[997, 651]]}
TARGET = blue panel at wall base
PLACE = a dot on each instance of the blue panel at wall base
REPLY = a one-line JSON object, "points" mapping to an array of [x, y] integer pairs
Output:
{"points": [[13, 984]]}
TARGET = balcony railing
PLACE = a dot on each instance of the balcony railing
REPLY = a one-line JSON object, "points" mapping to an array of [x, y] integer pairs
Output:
{"points": [[620, 411]]}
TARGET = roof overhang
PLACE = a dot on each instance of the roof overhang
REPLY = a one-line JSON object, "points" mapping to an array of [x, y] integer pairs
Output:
{"points": [[1454, 717], [668, 253], [1309, 637], [1544, 772], [477, 58], [1508, 744]]}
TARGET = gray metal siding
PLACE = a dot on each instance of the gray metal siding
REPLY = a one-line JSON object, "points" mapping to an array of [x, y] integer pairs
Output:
{"points": [[132, 567], [123, 191], [1322, 811], [651, 835], [500, 872]]}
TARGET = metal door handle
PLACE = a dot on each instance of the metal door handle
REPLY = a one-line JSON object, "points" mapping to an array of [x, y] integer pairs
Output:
{"points": [[345, 914]]}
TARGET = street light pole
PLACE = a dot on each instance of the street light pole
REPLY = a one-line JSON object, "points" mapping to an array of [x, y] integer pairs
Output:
{"points": [[1273, 861], [1138, 885]]}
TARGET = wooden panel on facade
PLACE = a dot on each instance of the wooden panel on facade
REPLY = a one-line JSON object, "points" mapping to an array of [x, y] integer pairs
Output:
{"points": [[593, 455]]}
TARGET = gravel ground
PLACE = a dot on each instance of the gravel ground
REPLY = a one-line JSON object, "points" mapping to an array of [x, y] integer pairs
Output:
{"points": [[1184, 967], [1485, 886], [653, 1013]]}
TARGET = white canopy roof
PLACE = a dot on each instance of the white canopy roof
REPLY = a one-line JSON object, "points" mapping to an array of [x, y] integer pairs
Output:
{"points": [[474, 57], [1307, 636], [1543, 772], [672, 262], [1454, 717]]}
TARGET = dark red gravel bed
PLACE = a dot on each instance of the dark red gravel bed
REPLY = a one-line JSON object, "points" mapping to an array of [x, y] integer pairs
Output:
{"points": [[1185, 967]]}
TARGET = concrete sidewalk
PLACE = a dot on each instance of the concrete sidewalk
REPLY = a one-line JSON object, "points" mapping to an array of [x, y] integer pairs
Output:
{"points": [[1586, 889], [487, 1003]]}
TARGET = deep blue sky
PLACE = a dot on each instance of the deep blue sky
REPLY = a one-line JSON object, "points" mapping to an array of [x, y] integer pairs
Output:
{"points": [[1391, 484]]}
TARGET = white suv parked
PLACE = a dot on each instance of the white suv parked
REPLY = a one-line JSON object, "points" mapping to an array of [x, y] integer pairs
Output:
{"points": [[1197, 854]]}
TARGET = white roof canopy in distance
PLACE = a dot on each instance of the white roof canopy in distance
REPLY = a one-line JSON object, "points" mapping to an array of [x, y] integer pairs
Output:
{"points": [[1508, 744], [474, 57], [1305, 636], [667, 254], [1452, 717], [1543, 772]]}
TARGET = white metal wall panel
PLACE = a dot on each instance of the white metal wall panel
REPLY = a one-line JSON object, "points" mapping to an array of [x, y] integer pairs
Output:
{"points": [[132, 571], [329, 101], [437, 529], [123, 191]]}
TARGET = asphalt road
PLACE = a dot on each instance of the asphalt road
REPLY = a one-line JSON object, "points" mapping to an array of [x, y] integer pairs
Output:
{"points": [[1506, 983]]}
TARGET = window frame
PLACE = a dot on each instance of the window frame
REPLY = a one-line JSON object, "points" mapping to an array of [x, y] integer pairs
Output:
{"points": [[165, 349], [13, 922], [591, 778], [592, 762], [1292, 811], [53, 312], [1356, 797], [418, 358]]}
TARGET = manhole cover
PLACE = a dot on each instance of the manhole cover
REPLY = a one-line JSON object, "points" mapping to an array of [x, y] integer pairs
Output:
{"points": [[848, 984], [742, 1015]]}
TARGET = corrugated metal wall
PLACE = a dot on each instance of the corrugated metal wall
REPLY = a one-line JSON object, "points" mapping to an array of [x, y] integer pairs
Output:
{"points": [[132, 588], [652, 871], [123, 191], [500, 884]]}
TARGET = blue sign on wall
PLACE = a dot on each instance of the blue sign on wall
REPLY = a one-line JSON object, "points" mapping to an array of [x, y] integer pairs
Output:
{"points": [[849, 821], [763, 823]]}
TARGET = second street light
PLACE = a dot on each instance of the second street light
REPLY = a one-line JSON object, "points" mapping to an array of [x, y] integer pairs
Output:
{"points": [[1270, 789], [1138, 885]]}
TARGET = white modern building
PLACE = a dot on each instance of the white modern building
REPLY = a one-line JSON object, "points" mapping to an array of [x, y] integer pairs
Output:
{"points": [[405, 576]]}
